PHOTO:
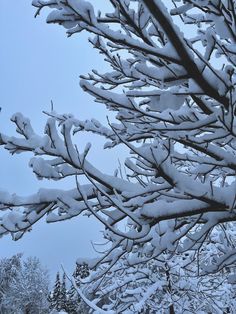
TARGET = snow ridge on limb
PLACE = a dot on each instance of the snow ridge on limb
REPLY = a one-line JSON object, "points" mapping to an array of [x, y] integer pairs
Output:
{"points": [[175, 112]]}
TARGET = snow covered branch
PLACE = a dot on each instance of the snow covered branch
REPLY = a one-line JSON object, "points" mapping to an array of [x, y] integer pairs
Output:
{"points": [[176, 112]]}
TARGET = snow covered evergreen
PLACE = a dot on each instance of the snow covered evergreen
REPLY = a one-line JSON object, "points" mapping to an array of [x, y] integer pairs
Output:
{"points": [[63, 299], [55, 295], [73, 300]]}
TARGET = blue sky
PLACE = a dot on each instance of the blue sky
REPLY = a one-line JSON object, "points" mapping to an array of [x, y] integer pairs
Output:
{"points": [[38, 63]]}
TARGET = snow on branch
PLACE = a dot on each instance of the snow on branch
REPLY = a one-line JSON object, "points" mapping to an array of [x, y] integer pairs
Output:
{"points": [[175, 112]]}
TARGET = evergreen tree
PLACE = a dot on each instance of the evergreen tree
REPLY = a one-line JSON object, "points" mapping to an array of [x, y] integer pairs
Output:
{"points": [[81, 271], [73, 300], [50, 300], [56, 293], [63, 296]]}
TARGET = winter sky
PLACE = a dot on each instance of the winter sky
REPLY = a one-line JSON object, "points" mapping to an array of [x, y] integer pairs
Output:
{"points": [[38, 64]]}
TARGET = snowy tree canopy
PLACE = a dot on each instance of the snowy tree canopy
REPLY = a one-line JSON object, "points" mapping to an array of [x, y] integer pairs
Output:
{"points": [[24, 286], [173, 93]]}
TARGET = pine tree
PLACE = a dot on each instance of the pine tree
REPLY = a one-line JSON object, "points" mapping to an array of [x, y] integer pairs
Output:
{"points": [[73, 300], [63, 293], [56, 294], [81, 271], [50, 300]]}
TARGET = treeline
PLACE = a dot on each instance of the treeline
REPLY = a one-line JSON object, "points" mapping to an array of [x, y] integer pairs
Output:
{"points": [[62, 298], [25, 288], [159, 286]]}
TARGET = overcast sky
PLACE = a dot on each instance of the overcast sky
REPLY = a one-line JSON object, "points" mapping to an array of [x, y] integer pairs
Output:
{"points": [[38, 63]]}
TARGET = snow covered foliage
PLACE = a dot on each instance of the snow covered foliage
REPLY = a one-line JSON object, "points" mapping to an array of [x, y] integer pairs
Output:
{"points": [[166, 284], [81, 271], [73, 301], [173, 93], [9, 268], [24, 286], [63, 299], [54, 297]]}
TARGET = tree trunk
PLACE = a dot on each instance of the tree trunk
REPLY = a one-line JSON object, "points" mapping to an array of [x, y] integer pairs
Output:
{"points": [[172, 309]]}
